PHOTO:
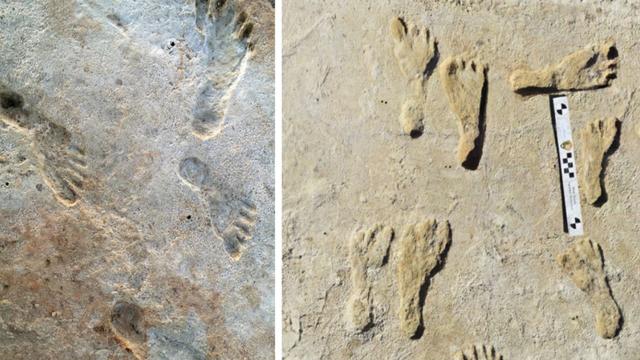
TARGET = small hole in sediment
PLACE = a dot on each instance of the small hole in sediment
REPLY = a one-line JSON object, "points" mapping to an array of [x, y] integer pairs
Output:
{"points": [[415, 133]]}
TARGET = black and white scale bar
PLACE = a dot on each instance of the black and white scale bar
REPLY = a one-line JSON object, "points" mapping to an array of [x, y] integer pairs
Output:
{"points": [[567, 161]]}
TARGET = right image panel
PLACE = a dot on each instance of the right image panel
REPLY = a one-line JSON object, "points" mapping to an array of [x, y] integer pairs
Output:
{"points": [[461, 180]]}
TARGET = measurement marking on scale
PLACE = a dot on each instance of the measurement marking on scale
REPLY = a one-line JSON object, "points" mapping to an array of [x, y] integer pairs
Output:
{"points": [[567, 161]]}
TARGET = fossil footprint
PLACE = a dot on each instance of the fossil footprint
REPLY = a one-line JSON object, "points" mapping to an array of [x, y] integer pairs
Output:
{"points": [[422, 249], [233, 216], [463, 79], [589, 68], [128, 325], [368, 251], [596, 139], [584, 264], [478, 352], [226, 35], [61, 163], [414, 49]]}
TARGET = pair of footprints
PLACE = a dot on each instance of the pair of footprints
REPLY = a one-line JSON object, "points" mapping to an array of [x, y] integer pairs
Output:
{"points": [[60, 161], [226, 35], [422, 250], [62, 165], [463, 79], [233, 217]]}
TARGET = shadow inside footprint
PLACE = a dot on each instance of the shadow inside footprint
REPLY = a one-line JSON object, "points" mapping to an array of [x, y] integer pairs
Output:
{"points": [[425, 286], [473, 159], [10, 99], [433, 63], [604, 197]]}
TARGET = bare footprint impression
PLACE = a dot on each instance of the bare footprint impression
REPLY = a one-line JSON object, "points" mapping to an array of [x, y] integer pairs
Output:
{"points": [[129, 328], [596, 138], [422, 251], [414, 50], [226, 31], [60, 161], [584, 264], [590, 68], [464, 81], [368, 251], [233, 216]]}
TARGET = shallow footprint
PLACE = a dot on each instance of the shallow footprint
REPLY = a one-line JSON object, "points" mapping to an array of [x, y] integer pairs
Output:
{"points": [[596, 139], [414, 49], [478, 352], [589, 68], [60, 162], [227, 45], [463, 79], [128, 326], [368, 250], [422, 250], [233, 217], [584, 263]]}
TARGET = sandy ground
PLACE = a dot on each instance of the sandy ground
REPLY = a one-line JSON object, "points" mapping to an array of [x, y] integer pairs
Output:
{"points": [[348, 165]]}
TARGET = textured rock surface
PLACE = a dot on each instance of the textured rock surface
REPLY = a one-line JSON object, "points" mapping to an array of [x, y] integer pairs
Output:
{"points": [[349, 165], [136, 164]]}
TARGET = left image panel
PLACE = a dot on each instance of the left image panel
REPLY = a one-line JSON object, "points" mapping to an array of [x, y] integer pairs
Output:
{"points": [[137, 179]]}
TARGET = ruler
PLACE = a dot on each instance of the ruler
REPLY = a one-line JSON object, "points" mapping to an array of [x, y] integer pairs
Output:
{"points": [[567, 164]]}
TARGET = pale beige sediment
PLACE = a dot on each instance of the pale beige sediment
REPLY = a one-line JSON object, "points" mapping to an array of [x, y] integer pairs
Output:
{"points": [[367, 250], [592, 67], [421, 250], [595, 140], [584, 264], [463, 78]]}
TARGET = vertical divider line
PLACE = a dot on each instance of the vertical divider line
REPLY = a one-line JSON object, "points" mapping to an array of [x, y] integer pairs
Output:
{"points": [[278, 180]]}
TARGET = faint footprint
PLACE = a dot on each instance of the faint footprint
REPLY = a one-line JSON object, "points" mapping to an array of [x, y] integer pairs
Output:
{"points": [[233, 216], [422, 250], [60, 162], [464, 82], [584, 263], [596, 138], [589, 68], [128, 326], [478, 352], [368, 250], [226, 34], [414, 50]]}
